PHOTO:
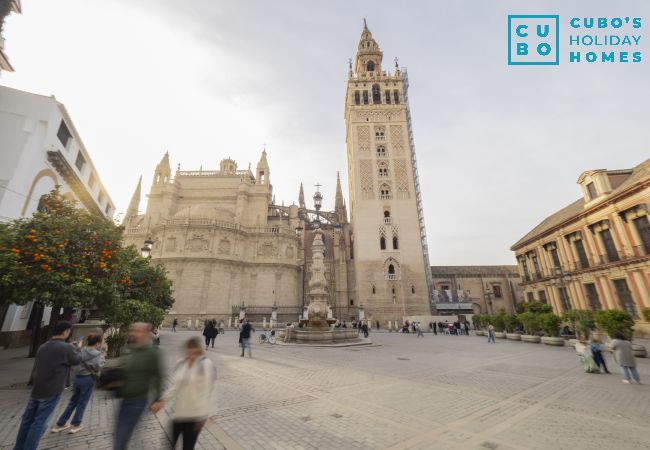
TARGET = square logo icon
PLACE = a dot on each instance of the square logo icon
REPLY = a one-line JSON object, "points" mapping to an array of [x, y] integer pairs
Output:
{"points": [[533, 40]]}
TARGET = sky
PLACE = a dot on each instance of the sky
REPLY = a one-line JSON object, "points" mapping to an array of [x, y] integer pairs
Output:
{"points": [[499, 147]]}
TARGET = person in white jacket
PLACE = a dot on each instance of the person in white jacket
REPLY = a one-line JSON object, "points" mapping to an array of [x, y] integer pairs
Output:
{"points": [[191, 391]]}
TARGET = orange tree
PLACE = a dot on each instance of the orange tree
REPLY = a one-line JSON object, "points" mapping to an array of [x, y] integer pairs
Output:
{"points": [[66, 257]]}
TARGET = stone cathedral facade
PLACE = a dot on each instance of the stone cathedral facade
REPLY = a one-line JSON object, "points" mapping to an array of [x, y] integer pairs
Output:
{"points": [[230, 248]]}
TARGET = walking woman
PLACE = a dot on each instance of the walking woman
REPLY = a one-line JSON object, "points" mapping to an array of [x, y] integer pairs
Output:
{"points": [[209, 332], [92, 361], [624, 356], [191, 390]]}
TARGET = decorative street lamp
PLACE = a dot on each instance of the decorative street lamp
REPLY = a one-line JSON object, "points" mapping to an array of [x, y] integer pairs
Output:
{"points": [[146, 249], [299, 231]]}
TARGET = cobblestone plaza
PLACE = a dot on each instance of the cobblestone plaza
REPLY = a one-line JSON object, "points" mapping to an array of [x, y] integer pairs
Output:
{"points": [[403, 392]]}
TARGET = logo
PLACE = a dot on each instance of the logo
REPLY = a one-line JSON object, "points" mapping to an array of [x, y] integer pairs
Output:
{"points": [[533, 40]]}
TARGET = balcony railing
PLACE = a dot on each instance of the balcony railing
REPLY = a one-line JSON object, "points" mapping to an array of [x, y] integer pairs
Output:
{"points": [[392, 277], [387, 220]]}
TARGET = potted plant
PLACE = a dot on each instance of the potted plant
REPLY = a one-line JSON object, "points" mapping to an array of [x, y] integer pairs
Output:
{"points": [[532, 327], [511, 322], [551, 326], [616, 322], [582, 321], [498, 320]]}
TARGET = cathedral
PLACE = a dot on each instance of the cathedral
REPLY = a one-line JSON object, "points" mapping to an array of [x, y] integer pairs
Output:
{"points": [[231, 250]]}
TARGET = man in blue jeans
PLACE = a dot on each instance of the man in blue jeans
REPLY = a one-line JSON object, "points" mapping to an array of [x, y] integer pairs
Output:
{"points": [[51, 368]]}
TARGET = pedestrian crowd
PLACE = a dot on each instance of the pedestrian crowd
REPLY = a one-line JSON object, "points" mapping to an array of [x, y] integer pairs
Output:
{"points": [[138, 381]]}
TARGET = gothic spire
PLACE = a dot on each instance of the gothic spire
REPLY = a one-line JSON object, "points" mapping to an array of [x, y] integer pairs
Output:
{"points": [[338, 203], [134, 204], [301, 197], [163, 172]]}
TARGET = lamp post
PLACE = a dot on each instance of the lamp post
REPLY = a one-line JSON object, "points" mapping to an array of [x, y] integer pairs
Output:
{"points": [[146, 249], [301, 252]]}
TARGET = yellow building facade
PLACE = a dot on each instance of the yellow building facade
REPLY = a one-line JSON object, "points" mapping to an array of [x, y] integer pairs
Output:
{"points": [[595, 253]]}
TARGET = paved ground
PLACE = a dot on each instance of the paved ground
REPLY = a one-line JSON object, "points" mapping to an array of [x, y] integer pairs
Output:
{"points": [[438, 392]]}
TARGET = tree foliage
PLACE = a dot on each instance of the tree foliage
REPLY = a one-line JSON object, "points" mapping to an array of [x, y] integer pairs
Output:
{"points": [[615, 322], [531, 322], [64, 256], [582, 321], [550, 324], [535, 307], [61, 256], [125, 312]]}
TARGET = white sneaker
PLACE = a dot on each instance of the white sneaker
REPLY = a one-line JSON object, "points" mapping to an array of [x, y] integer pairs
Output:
{"points": [[75, 429], [625, 381], [60, 429]]}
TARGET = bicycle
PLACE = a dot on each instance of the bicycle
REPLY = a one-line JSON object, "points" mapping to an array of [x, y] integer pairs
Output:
{"points": [[267, 336]]}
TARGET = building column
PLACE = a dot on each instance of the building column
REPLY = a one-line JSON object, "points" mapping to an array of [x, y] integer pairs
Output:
{"points": [[553, 300], [620, 236], [641, 296], [569, 256], [578, 294]]}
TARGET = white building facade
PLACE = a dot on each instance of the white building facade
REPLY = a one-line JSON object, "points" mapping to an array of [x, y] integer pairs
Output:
{"points": [[40, 149]]}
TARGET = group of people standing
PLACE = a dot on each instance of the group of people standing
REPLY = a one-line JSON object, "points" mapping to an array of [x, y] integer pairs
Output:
{"points": [[138, 378]]}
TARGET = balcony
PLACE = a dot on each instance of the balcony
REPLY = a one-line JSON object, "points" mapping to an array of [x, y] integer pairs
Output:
{"points": [[392, 277], [387, 220]]}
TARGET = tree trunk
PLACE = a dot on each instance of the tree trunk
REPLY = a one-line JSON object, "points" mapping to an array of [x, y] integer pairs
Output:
{"points": [[35, 342]]}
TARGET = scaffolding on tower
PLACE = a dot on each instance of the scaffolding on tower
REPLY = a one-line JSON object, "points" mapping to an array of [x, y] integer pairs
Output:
{"points": [[418, 197]]}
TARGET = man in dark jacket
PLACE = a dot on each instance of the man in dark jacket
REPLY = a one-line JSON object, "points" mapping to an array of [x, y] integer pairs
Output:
{"points": [[245, 337], [51, 369]]}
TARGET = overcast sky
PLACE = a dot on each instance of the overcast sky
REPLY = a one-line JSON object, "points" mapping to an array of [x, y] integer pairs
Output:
{"points": [[499, 147]]}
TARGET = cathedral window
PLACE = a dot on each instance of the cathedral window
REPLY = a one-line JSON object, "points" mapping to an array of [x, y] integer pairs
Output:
{"points": [[393, 289], [395, 243], [376, 94], [381, 151], [387, 95], [380, 133], [370, 66], [365, 97], [382, 243], [412, 289], [384, 192], [391, 271], [351, 302], [373, 289], [383, 169], [396, 96], [357, 98]]}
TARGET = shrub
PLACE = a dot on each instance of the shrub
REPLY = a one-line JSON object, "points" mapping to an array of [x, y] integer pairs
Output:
{"points": [[498, 320], [511, 322], [582, 321], [115, 342], [536, 307], [478, 320], [646, 314], [616, 323], [531, 322], [550, 324]]}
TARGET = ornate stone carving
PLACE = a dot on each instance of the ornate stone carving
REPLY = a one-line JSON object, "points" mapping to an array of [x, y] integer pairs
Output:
{"points": [[197, 243], [363, 136], [267, 249], [397, 139], [224, 247], [401, 178], [365, 169], [170, 246]]}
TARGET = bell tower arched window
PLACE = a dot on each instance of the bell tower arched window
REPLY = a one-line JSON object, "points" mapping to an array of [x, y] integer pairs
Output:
{"points": [[370, 66], [395, 243], [384, 192], [365, 97], [381, 151], [376, 94], [391, 269], [396, 96], [382, 243], [373, 289], [387, 95], [357, 98]]}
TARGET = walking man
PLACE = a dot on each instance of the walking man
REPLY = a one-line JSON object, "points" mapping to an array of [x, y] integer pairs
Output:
{"points": [[418, 328], [491, 337], [51, 369], [92, 361], [245, 336], [144, 371], [174, 324]]}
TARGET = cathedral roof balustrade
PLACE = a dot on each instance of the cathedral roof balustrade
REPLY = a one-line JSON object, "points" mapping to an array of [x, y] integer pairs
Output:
{"points": [[274, 229], [245, 174]]}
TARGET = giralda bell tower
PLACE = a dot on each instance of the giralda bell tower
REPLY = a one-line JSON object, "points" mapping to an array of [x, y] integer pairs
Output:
{"points": [[391, 259]]}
